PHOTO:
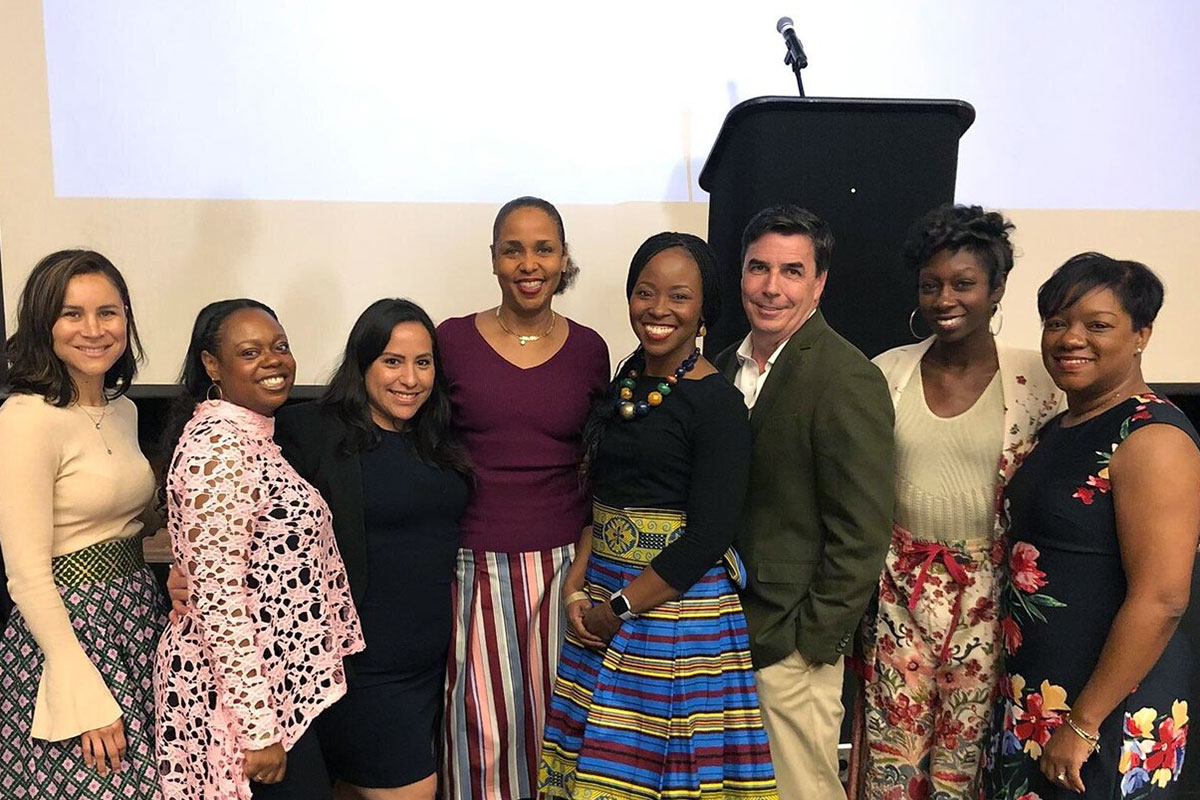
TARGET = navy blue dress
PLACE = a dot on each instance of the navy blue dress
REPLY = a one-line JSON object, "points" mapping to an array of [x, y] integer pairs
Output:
{"points": [[381, 734], [1066, 583]]}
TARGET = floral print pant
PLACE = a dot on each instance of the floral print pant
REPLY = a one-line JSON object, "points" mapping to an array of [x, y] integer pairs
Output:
{"points": [[931, 674]]}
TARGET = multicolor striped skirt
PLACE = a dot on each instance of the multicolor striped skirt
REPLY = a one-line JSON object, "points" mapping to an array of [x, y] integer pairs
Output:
{"points": [[670, 709], [508, 630], [117, 611]]}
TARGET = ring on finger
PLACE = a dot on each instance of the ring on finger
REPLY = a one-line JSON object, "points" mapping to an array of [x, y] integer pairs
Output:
{"points": [[1061, 777]]}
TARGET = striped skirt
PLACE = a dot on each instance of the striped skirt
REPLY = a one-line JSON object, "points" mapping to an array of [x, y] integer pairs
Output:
{"points": [[508, 630], [670, 709], [117, 611]]}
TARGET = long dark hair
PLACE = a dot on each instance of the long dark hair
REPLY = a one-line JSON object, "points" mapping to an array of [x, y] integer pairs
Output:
{"points": [[33, 366], [602, 413], [346, 394], [193, 377]]}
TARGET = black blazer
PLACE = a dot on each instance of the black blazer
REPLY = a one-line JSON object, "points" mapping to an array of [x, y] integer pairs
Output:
{"points": [[311, 438]]}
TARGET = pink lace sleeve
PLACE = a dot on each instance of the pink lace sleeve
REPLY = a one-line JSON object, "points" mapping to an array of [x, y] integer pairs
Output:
{"points": [[217, 500]]}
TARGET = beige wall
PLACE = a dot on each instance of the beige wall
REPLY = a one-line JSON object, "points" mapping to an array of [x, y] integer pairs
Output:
{"points": [[319, 264]]}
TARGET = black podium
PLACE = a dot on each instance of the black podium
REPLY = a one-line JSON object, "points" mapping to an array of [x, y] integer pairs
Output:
{"points": [[868, 167]]}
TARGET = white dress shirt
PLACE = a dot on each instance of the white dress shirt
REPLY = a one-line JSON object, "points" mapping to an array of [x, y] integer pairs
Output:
{"points": [[750, 378]]}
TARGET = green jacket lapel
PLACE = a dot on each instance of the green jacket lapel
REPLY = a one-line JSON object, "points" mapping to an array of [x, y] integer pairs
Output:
{"points": [[780, 378]]}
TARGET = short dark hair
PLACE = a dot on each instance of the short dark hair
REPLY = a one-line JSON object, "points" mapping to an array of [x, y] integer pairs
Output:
{"points": [[791, 220], [950, 227], [699, 251], [571, 269], [346, 394], [1137, 288], [33, 366]]}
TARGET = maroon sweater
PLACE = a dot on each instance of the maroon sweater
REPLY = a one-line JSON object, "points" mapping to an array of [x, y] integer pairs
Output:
{"points": [[522, 428]]}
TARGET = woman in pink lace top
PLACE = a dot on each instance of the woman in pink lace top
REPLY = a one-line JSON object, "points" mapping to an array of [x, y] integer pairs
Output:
{"points": [[242, 676]]}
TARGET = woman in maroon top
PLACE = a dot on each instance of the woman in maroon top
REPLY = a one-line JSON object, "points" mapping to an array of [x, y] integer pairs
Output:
{"points": [[522, 381]]}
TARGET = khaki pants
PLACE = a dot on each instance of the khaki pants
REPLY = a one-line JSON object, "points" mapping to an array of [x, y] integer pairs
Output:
{"points": [[802, 711]]}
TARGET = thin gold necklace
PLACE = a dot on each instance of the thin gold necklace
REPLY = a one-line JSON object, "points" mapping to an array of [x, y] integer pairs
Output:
{"points": [[525, 338], [96, 424]]}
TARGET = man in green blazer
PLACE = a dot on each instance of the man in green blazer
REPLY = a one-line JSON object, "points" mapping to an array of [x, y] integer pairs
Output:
{"points": [[818, 513]]}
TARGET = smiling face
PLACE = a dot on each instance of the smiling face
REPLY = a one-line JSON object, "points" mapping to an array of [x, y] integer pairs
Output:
{"points": [[91, 332], [1090, 348], [780, 285], [665, 308], [954, 298], [253, 363], [528, 258], [399, 381]]}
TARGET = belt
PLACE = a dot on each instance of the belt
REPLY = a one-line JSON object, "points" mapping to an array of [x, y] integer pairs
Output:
{"points": [[106, 561], [638, 535]]}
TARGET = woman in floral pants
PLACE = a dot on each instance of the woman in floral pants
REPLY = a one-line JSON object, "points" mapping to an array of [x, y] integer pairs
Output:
{"points": [[966, 412]]}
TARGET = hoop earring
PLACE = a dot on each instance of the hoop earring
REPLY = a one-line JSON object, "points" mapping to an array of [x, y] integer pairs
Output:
{"points": [[997, 310], [912, 328], [208, 395]]}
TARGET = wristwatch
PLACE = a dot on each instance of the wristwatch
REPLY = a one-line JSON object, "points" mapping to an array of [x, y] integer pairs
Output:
{"points": [[619, 604]]}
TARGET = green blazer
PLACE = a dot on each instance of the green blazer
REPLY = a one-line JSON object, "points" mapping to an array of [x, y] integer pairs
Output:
{"points": [[818, 514]]}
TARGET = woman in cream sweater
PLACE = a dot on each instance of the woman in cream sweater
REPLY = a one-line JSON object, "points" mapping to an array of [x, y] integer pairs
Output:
{"points": [[76, 655]]}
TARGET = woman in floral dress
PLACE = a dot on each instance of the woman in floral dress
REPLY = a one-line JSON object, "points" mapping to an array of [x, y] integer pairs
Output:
{"points": [[1104, 515], [967, 408]]}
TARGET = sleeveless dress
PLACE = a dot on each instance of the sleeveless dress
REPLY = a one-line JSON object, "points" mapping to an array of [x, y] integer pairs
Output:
{"points": [[1064, 588]]}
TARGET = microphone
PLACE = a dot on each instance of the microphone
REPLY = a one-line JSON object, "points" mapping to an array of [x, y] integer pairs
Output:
{"points": [[795, 57]]}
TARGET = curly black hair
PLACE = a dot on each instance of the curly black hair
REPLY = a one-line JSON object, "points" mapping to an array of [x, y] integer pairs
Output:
{"points": [[949, 227]]}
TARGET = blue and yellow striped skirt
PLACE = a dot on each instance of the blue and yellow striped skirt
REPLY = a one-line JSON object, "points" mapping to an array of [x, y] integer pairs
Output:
{"points": [[669, 709]]}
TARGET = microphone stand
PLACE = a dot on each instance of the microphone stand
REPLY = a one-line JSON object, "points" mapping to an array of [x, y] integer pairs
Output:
{"points": [[796, 67]]}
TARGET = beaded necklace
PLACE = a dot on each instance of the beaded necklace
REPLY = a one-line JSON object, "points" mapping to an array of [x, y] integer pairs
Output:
{"points": [[629, 409]]}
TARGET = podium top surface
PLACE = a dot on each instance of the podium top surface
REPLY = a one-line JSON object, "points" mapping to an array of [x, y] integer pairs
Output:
{"points": [[960, 110]]}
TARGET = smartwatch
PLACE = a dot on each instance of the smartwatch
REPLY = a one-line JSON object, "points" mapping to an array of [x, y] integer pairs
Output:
{"points": [[619, 604]]}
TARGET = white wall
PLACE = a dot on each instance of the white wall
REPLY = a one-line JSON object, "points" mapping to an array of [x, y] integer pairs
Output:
{"points": [[320, 158]]}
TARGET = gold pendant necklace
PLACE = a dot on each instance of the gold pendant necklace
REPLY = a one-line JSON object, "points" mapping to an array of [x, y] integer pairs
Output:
{"points": [[525, 338], [96, 424]]}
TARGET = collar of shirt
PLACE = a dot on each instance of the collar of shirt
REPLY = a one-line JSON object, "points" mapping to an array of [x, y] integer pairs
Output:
{"points": [[749, 377]]}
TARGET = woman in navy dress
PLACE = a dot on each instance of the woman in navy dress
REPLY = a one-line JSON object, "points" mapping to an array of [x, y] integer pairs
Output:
{"points": [[1103, 517]]}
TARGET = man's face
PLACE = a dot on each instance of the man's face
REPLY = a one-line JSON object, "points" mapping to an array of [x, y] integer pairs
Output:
{"points": [[780, 284]]}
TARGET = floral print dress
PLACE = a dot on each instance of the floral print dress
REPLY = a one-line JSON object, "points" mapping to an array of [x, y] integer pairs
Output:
{"points": [[1064, 586]]}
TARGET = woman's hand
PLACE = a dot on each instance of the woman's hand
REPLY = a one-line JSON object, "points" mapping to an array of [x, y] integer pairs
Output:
{"points": [[575, 613], [177, 590], [601, 623], [267, 765], [104, 747], [1064, 755]]}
